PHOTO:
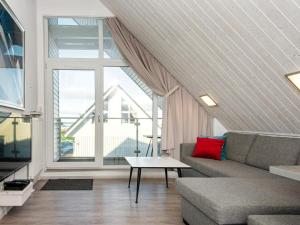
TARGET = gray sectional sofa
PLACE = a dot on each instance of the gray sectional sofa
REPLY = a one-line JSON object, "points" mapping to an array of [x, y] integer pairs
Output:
{"points": [[227, 192], [274, 220]]}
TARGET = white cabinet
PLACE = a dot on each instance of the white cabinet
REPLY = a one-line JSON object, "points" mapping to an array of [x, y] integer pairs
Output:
{"points": [[15, 198]]}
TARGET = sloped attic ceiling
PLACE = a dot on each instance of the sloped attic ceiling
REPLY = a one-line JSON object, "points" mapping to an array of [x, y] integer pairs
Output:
{"points": [[237, 51]]}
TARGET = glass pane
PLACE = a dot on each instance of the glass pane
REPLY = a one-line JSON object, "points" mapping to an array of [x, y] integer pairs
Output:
{"points": [[73, 38], [110, 49], [15, 138], [121, 139], [74, 115], [128, 118]]}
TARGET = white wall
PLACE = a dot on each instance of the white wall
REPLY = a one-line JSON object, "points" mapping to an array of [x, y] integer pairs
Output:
{"points": [[86, 8], [218, 128], [25, 12]]}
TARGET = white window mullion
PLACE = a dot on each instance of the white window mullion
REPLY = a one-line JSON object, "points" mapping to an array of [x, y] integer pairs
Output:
{"points": [[154, 124], [99, 104], [100, 39]]}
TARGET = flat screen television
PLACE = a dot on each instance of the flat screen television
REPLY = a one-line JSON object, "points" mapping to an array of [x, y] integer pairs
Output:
{"points": [[12, 73], [15, 138]]}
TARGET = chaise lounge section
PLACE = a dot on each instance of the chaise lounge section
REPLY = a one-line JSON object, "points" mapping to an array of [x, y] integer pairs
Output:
{"points": [[274, 220], [231, 200], [231, 190]]}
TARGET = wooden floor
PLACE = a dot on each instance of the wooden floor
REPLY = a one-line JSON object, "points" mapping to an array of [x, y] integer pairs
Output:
{"points": [[111, 202]]}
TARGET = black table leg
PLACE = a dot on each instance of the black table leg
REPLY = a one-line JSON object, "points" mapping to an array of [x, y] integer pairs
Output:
{"points": [[166, 173], [130, 175], [184, 221], [179, 172], [149, 145], [138, 184]]}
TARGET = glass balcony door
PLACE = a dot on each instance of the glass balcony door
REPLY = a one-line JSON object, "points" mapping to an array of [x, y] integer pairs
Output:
{"points": [[72, 116], [98, 115], [127, 116]]}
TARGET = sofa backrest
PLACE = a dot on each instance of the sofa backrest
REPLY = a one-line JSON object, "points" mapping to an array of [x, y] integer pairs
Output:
{"points": [[238, 145], [186, 149], [273, 150]]}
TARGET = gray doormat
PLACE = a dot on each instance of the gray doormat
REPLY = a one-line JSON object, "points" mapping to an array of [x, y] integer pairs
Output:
{"points": [[68, 185]]}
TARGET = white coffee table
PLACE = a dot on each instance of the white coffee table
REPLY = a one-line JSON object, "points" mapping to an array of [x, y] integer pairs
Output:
{"points": [[153, 163]]}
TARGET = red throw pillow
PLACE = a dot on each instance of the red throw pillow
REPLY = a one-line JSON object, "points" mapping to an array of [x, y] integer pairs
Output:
{"points": [[208, 148]]}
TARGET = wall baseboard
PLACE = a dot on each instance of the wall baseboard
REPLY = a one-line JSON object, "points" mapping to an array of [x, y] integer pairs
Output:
{"points": [[105, 174]]}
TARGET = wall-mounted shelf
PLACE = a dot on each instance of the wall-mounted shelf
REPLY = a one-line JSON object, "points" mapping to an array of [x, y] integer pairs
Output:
{"points": [[15, 198]]}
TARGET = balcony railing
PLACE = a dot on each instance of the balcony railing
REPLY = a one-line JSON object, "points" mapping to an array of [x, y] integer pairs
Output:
{"points": [[75, 138]]}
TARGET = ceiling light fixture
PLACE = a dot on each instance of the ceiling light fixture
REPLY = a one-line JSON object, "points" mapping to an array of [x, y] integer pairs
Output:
{"points": [[294, 78], [208, 100]]}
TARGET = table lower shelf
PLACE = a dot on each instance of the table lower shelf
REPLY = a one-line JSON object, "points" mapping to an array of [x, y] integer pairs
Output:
{"points": [[16, 198]]}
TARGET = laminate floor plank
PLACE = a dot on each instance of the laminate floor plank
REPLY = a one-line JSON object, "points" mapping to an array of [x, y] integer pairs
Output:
{"points": [[110, 202]]}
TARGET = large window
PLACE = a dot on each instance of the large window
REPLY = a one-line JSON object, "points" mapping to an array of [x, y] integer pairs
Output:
{"points": [[80, 38], [100, 111]]}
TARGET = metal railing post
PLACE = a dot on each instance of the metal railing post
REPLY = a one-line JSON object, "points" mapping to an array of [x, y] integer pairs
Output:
{"points": [[59, 137]]}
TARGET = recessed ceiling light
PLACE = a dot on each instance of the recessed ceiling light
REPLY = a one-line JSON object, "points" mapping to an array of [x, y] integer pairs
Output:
{"points": [[294, 78], [208, 100]]}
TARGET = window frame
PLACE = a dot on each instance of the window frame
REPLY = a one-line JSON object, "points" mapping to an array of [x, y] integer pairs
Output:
{"points": [[97, 64]]}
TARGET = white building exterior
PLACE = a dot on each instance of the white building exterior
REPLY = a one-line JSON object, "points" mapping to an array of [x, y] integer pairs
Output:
{"points": [[121, 112]]}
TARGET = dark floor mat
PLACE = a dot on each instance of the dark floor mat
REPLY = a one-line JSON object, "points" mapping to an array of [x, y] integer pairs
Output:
{"points": [[68, 185]]}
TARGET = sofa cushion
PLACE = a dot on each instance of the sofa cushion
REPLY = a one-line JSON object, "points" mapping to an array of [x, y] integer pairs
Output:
{"points": [[274, 220], [238, 145], [186, 149], [298, 162], [210, 148], [231, 200], [193, 216], [219, 137], [225, 168], [271, 151], [192, 173]]}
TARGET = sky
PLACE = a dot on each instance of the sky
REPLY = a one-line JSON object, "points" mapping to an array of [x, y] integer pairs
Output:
{"points": [[77, 90]]}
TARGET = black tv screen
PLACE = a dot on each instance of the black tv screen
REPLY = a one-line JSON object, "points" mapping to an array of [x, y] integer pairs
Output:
{"points": [[15, 138], [12, 75]]}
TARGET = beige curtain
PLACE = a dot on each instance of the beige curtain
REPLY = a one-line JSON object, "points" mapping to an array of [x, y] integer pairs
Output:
{"points": [[184, 118]]}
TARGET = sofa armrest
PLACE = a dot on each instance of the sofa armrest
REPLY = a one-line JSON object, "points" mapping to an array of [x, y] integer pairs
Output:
{"points": [[186, 149]]}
